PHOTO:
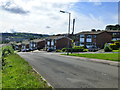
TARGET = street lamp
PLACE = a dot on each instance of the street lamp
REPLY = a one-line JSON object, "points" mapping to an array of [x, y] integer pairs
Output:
{"points": [[68, 27], [69, 20]]}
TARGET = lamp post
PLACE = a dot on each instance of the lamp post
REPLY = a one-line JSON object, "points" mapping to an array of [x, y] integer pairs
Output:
{"points": [[68, 27]]}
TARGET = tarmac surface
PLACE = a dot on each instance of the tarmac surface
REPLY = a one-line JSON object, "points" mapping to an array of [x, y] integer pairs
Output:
{"points": [[72, 72]]}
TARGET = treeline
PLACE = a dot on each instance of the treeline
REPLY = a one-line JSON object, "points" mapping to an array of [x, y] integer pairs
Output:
{"points": [[113, 27]]}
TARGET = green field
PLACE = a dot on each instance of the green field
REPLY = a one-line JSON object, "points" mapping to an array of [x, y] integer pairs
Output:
{"points": [[105, 56], [17, 73]]}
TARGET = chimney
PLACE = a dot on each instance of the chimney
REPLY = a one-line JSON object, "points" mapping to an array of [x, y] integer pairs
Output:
{"points": [[73, 26]]}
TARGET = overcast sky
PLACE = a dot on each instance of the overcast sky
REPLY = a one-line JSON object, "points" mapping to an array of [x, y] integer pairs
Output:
{"points": [[44, 16]]}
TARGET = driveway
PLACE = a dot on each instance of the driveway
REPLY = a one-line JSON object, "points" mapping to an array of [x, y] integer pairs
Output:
{"points": [[67, 72]]}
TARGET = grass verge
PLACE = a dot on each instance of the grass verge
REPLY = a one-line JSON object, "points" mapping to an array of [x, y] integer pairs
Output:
{"points": [[17, 73], [105, 56]]}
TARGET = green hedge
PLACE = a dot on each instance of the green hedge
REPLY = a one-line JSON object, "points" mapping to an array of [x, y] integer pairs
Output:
{"points": [[7, 50], [72, 50]]}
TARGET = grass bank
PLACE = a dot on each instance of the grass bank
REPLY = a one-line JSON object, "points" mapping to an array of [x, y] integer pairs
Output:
{"points": [[105, 56], [17, 73]]}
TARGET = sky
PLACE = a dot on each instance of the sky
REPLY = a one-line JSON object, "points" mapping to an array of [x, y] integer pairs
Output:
{"points": [[44, 16]]}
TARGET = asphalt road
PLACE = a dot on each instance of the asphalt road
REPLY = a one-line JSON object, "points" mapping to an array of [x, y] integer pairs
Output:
{"points": [[68, 72]]}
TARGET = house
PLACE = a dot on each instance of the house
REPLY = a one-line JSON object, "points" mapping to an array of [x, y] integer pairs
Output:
{"points": [[57, 42], [25, 46], [115, 34], [94, 38], [18, 46], [37, 44]]}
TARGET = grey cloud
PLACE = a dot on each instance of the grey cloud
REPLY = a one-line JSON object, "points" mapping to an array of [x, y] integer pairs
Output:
{"points": [[16, 9]]}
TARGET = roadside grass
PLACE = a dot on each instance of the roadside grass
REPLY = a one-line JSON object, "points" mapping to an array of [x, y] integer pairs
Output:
{"points": [[17, 73], [105, 56]]}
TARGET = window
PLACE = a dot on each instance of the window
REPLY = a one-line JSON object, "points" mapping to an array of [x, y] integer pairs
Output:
{"points": [[115, 39], [88, 43], [81, 44], [52, 42], [82, 39], [94, 36], [88, 40], [48, 42], [89, 36]]}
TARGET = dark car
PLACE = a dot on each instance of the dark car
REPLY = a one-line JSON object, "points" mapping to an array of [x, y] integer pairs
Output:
{"points": [[49, 50]]}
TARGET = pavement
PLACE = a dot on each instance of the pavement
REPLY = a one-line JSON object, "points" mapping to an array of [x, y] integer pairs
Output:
{"points": [[72, 72]]}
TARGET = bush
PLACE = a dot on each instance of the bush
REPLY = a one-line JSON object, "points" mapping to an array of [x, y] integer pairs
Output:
{"points": [[115, 45], [64, 49], [107, 48], [85, 50], [72, 50], [6, 50], [78, 47], [58, 50]]}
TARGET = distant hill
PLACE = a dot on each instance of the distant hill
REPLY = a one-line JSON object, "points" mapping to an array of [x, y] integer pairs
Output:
{"points": [[19, 37]]}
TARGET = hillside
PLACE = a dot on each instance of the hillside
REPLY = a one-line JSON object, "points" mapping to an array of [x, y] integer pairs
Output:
{"points": [[18, 37]]}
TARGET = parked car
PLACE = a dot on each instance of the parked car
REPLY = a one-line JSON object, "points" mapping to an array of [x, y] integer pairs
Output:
{"points": [[23, 50], [27, 50], [49, 50]]}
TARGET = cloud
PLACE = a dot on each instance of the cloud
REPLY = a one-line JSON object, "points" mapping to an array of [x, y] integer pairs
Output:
{"points": [[13, 8], [45, 17]]}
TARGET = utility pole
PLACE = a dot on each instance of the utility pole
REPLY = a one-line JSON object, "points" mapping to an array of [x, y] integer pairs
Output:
{"points": [[68, 29]]}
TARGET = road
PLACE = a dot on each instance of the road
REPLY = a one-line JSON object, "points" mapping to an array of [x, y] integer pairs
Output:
{"points": [[67, 72]]}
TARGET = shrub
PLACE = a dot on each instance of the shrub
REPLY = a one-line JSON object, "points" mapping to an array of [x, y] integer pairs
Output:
{"points": [[58, 50], [115, 45], [107, 48], [85, 50], [72, 50], [64, 49], [78, 47]]}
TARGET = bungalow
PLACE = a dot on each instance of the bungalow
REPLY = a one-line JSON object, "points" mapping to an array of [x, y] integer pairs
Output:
{"points": [[57, 42], [25, 46], [18, 46], [37, 44]]}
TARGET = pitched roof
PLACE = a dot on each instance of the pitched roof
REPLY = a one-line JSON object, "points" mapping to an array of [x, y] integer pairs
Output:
{"points": [[57, 37], [91, 32], [18, 43], [98, 32], [112, 31], [37, 40], [25, 42]]}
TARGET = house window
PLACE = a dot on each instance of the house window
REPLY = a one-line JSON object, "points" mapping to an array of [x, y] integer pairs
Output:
{"points": [[94, 36], [89, 36], [48, 42], [115, 39], [88, 43], [82, 39], [52, 42], [88, 40], [81, 44]]}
